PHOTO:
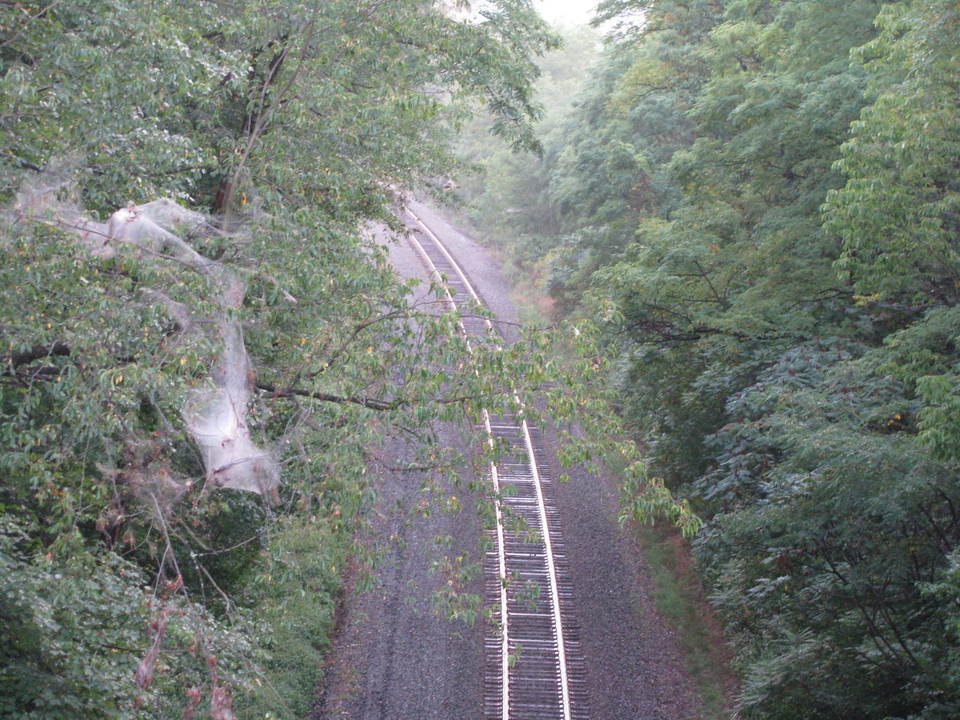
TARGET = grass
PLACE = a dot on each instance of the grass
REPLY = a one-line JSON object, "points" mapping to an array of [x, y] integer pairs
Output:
{"points": [[679, 598], [295, 612]]}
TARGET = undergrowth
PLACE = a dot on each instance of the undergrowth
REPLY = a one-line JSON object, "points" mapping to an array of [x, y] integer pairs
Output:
{"points": [[678, 595]]}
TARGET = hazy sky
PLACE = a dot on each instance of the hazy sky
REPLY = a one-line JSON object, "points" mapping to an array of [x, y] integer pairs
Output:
{"points": [[566, 12]]}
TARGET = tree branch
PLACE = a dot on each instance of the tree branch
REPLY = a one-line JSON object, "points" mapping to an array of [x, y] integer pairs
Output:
{"points": [[37, 352], [371, 403], [367, 402]]}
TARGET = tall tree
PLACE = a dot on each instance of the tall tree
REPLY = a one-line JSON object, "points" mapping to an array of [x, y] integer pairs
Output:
{"points": [[154, 353], [758, 204]]}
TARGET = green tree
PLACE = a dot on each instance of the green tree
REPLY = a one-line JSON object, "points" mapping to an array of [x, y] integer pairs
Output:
{"points": [[897, 213], [258, 308], [757, 202]]}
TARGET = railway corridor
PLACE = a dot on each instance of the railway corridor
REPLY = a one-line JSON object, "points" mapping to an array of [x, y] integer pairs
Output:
{"points": [[393, 659], [534, 667]]}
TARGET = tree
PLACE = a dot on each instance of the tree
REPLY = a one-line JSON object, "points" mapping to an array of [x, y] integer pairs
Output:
{"points": [[758, 206], [253, 309], [897, 212]]}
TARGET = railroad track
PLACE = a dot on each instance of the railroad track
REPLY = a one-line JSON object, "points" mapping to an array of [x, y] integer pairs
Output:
{"points": [[534, 664]]}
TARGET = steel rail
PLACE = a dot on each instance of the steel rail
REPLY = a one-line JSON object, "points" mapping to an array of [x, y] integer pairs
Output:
{"points": [[494, 473], [542, 514]]}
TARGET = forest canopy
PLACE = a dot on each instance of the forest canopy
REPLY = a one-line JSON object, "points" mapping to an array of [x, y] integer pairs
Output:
{"points": [[757, 200]]}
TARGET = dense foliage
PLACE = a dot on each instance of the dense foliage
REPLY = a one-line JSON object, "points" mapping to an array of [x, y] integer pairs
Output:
{"points": [[129, 585], [758, 199]]}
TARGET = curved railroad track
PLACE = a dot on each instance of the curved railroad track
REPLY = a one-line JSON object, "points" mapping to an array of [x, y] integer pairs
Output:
{"points": [[534, 663]]}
